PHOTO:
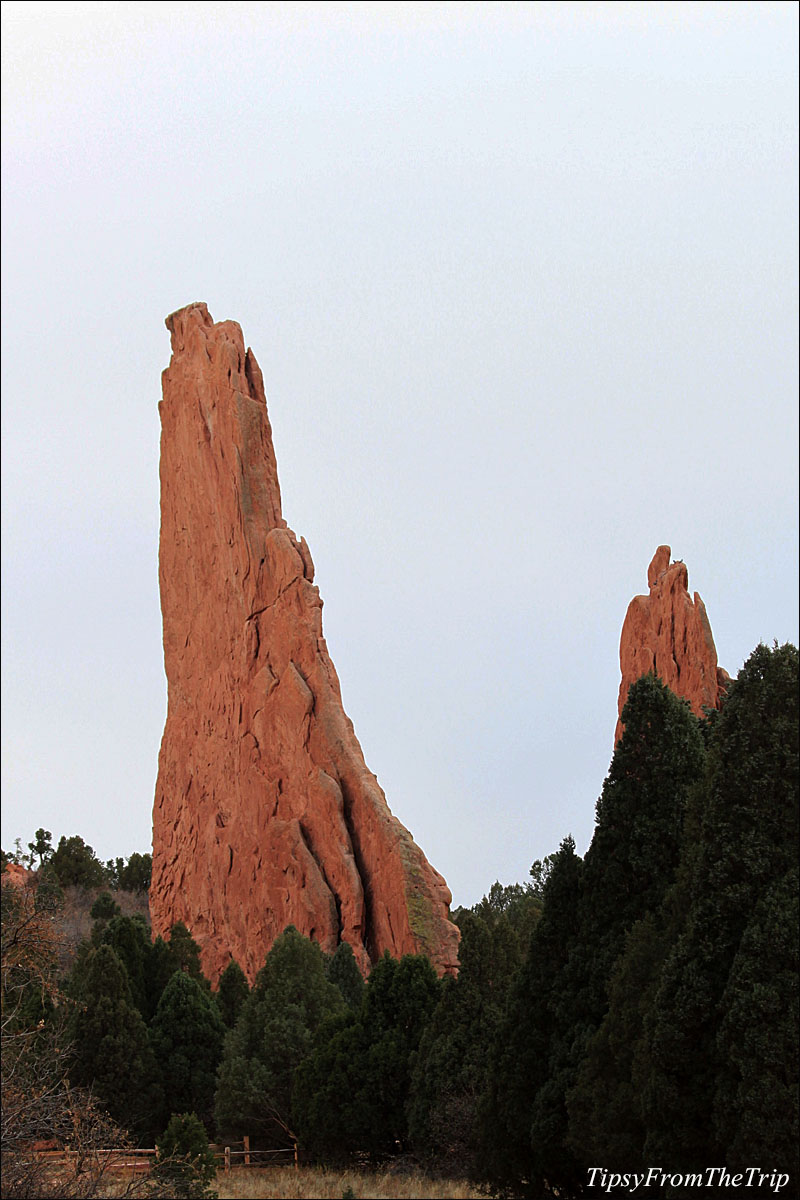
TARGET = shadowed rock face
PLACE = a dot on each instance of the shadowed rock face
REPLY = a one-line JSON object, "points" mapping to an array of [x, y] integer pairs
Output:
{"points": [[265, 812], [668, 632]]}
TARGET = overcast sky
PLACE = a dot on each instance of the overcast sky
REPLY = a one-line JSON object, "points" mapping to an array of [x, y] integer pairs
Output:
{"points": [[521, 279]]}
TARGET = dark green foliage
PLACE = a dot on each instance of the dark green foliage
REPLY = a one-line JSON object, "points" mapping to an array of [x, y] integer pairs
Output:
{"points": [[185, 951], [343, 971], [450, 1070], [331, 1110], [186, 1035], [134, 876], [76, 865], [657, 766], [398, 1002], [638, 832], [533, 1042], [232, 991], [159, 969], [274, 1033], [605, 1111], [41, 846], [185, 1159], [517, 904], [129, 939], [350, 1095], [104, 908], [111, 1049], [735, 882], [756, 1104]]}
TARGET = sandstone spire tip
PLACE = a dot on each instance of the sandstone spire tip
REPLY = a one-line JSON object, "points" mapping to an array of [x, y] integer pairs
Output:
{"points": [[668, 632]]}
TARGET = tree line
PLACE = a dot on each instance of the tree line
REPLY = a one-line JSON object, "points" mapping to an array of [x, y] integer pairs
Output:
{"points": [[635, 1006], [73, 863]]}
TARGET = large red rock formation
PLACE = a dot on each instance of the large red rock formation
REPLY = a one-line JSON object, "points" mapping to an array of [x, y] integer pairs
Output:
{"points": [[668, 632], [265, 812]]}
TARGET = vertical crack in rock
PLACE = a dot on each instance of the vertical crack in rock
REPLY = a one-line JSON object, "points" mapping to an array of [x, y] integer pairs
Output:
{"points": [[669, 633], [254, 716]]}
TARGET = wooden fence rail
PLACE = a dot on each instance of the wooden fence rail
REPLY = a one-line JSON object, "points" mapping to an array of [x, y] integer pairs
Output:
{"points": [[138, 1160]]}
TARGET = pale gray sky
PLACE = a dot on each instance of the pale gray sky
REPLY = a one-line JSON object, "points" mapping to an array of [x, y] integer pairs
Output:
{"points": [[522, 282]]}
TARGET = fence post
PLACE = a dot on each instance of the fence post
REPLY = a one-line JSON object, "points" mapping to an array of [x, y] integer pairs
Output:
{"points": [[227, 1159], [246, 1144]]}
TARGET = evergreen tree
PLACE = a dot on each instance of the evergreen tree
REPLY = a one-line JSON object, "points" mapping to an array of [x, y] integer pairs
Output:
{"points": [[232, 991], [516, 904], [606, 1121], [399, 999], [134, 876], [112, 1052], [41, 846], [186, 952], [276, 1026], [756, 1104], [104, 908], [350, 1094], [343, 971], [185, 1159], [527, 1061], [159, 968], [186, 1035], [76, 865], [636, 845], [629, 867], [747, 842], [129, 939], [329, 1102], [450, 1069]]}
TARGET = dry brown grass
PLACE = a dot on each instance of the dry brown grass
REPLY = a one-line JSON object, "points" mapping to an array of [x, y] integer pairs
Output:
{"points": [[286, 1183]]}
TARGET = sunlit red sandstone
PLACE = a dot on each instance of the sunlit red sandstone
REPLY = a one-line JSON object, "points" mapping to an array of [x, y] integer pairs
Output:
{"points": [[265, 812], [667, 631]]}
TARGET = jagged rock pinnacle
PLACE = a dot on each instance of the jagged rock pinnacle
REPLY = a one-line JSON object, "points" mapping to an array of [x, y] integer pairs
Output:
{"points": [[265, 812], [668, 632]]}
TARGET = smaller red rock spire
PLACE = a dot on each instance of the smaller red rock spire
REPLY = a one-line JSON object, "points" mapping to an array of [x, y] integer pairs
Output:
{"points": [[668, 632]]}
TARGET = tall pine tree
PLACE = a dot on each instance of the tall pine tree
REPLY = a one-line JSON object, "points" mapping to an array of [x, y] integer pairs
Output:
{"points": [[708, 1081]]}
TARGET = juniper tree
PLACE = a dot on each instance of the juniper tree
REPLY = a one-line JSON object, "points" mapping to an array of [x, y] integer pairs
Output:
{"points": [[351, 1092], [526, 1059], [112, 1054], [343, 971], [232, 991], [701, 1091], [186, 1034], [274, 1032], [450, 1068]]}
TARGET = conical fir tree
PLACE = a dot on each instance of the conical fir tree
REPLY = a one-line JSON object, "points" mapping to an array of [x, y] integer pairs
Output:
{"points": [[710, 1082], [529, 1044], [344, 972], [450, 1069], [274, 1033], [657, 767], [112, 1052], [187, 1034], [232, 992]]}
